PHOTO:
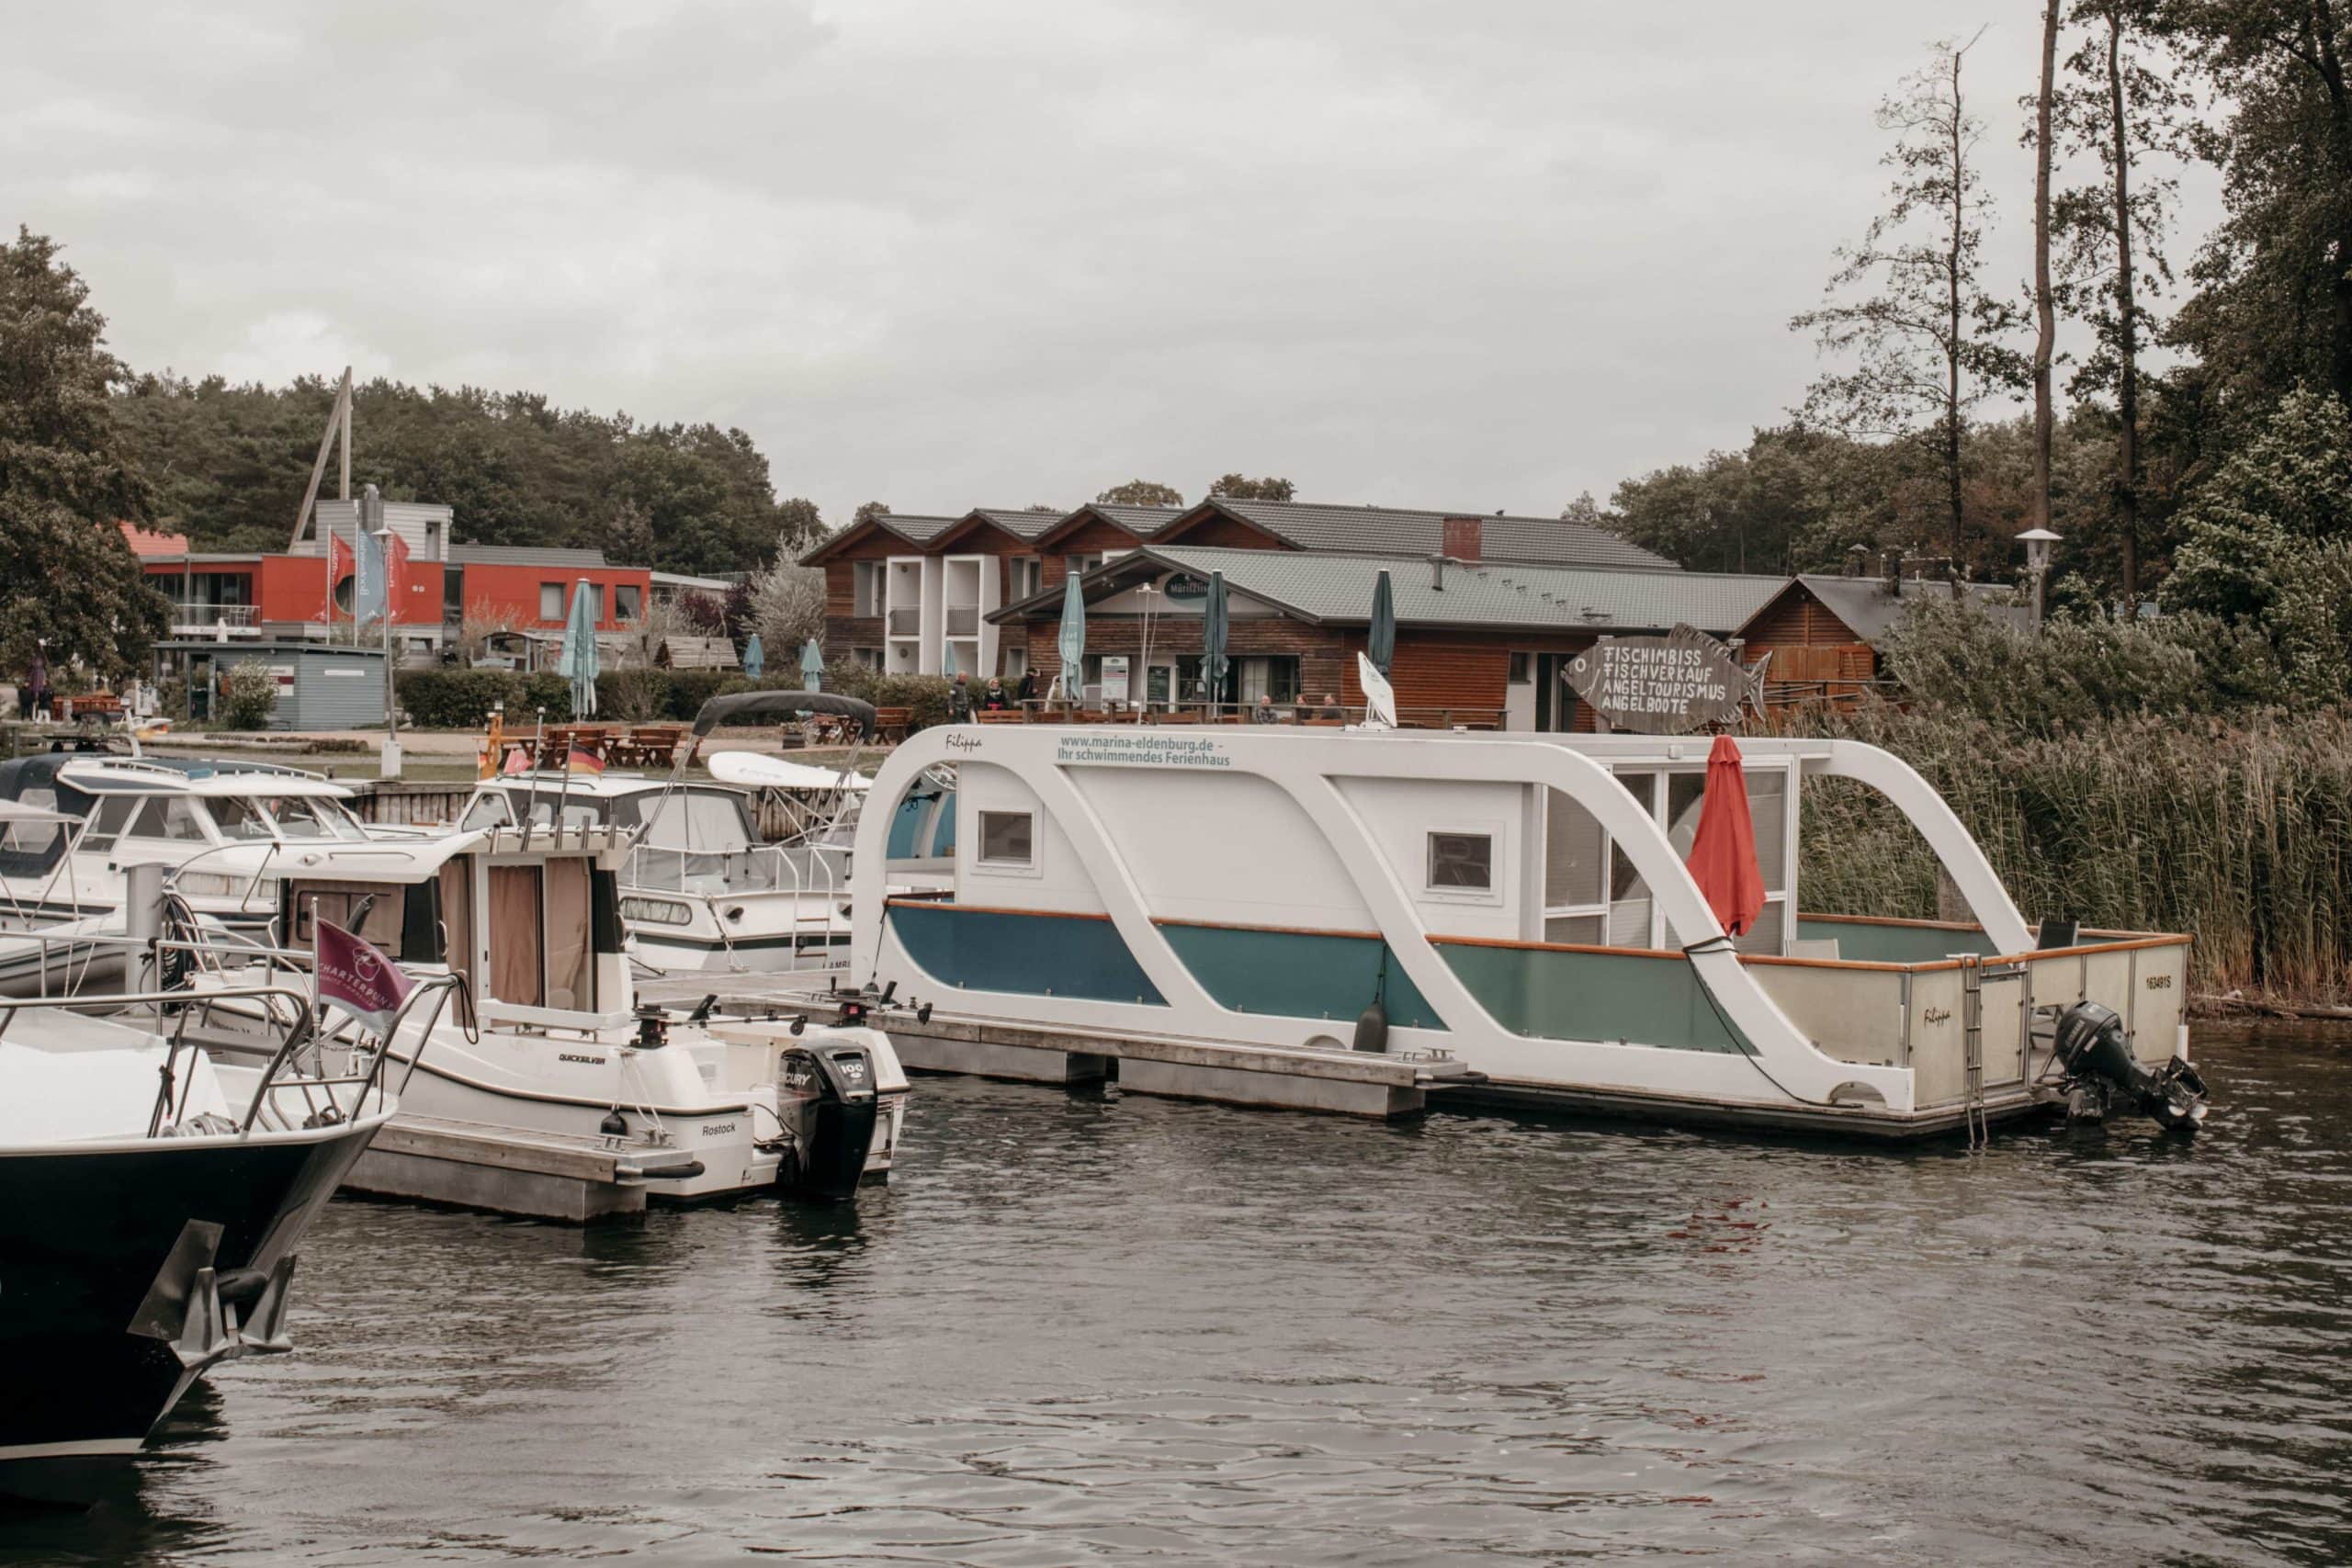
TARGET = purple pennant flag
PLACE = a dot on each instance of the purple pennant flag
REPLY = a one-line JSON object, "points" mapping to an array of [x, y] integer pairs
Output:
{"points": [[361, 981]]}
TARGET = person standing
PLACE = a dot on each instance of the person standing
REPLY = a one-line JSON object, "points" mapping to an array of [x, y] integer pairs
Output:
{"points": [[959, 700], [37, 686]]}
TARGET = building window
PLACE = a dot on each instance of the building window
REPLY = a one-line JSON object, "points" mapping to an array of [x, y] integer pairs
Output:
{"points": [[866, 588], [594, 592], [1461, 862], [550, 601], [1016, 663], [1273, 676], [1522, 669], [1005, 837], [1028, 576], [629, 601], [865, 657], [1076, 565]]}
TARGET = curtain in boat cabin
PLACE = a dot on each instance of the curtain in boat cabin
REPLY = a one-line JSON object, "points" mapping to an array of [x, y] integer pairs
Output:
{"points": [[571, 959], [516, 954]]}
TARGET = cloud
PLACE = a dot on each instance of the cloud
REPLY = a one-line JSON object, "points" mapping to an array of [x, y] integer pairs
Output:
{"points": [[996, 253]]}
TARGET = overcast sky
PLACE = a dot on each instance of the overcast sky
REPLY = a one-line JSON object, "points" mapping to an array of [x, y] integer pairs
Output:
{"points": [[1473, 255]]}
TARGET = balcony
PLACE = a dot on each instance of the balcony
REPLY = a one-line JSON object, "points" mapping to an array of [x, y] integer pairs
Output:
{"points": [[200, 619], [962, 620], [906, 620]]}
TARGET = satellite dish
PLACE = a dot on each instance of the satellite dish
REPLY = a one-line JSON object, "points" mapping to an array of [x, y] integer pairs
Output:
{"points": [[1379, 697], [755, 770]]}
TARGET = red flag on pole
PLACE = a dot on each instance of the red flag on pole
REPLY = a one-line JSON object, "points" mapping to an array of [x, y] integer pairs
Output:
{"points": [[353, 976], [395, 577], [339, 561], [1723, 851]]}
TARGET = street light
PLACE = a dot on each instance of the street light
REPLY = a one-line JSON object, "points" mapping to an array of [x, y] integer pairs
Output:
{"points": [[2037, 564]]}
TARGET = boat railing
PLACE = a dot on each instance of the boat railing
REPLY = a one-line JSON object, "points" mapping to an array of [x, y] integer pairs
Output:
{"points": [[760, 868]]}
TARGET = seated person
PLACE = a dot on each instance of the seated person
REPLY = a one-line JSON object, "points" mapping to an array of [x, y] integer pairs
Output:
{"points": [[1265, 712], [996, 699], [1332, 707]]}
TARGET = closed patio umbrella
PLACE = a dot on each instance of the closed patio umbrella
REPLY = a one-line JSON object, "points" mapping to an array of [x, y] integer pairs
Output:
{"points": [[1212, 630], [1380, 643], [812, 667], [1072, 644], [577, 662], [755, 658], [1723, 851]]}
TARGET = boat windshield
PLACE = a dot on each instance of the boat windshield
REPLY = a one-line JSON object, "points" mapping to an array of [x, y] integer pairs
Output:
{"points": [[246, 817], [701, 824]]}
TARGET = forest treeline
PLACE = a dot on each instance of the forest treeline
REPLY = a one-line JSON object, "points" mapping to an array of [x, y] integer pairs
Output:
{"points": [[2186, 355], [229, 463]]}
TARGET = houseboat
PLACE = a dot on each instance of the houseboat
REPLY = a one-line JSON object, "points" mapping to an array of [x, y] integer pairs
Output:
{"points": [[1520, 903]]}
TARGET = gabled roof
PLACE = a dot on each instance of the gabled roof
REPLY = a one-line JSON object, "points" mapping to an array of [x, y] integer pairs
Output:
{"points": [[1335, 590], [907, 528], [1410, 531], [1867, 608], [144, 543], [1025, 526], [1143, 521]]}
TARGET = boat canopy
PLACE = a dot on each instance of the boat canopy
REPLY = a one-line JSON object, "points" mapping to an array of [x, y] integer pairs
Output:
{"points": [[756, 770], [745, 706]]}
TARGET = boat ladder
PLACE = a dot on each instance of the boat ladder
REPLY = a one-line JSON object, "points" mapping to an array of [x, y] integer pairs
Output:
{"points": [[1973, 974]]}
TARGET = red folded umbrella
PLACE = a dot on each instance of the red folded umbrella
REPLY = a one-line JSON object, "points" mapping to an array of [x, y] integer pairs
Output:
{"points": [[1722, 853]]}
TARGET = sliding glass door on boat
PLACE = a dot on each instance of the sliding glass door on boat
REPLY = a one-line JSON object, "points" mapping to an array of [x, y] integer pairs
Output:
{"points": [[1594, 896]]}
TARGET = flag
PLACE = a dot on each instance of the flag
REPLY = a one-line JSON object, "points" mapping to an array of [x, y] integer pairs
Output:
{"points": [[580, 761], [356, 977], [339, 561], [518, 761], [368, 597], [396, 578]]}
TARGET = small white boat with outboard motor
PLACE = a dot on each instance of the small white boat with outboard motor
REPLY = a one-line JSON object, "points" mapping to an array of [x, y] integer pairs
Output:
{"points": [[699, 891], [699, 1104], [153, 1199]]}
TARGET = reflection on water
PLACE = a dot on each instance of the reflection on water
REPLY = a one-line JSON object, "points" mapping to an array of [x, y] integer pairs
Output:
{"points": [[1087, 1327]]}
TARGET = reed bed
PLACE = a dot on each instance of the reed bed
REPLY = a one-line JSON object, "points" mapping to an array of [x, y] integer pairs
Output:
{"points": [[2236, 831]]}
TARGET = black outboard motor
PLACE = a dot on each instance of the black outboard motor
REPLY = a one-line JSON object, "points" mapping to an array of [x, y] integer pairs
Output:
{"points": [[826, 1100], [2101, 1070]]}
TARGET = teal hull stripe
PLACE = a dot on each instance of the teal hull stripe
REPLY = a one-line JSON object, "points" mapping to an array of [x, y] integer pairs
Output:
{"points": [[1037, 955], [1545, 994], [1298, 974]]}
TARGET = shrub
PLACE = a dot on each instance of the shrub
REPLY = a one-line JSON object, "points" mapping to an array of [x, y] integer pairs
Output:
{"points": [[689, 689], [462, 699], [633, 694], [544, 690], [925, 696], [251, 696]]}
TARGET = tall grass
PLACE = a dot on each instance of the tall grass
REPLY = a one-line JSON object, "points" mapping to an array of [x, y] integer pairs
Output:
{"points": [[2236, 830]]}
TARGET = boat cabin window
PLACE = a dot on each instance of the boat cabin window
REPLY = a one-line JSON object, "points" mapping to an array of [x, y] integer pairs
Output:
{"points": [[488, 810], [699, 822], [578, 810], [106, 822], [1006, 839], [239, 818], [300, 817], [1461, 863], [172, 817], [383, 923], [33, 841]]}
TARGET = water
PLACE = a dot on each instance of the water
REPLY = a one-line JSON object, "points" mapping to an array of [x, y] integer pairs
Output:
{"points": [[1082, 1328]]}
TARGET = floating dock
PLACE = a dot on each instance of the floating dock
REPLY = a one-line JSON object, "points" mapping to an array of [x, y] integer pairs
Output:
{"points": [[550, 1176], [1348, 1083]]}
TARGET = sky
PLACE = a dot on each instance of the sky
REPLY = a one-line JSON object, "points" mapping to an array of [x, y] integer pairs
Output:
{"points": [[1466, 254]]}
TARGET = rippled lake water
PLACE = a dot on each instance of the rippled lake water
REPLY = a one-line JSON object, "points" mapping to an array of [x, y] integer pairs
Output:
{"points": [[1082, 1327]]}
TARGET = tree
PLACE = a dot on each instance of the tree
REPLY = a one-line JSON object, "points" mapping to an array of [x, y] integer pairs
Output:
{"points": [[2274, 303], [799, 526], [787, 607], [2121, 109], [869, 513], [1234, 486], [2045, 307], [1141, 492], [1927, 345], [66, 575], [2268, 542]]}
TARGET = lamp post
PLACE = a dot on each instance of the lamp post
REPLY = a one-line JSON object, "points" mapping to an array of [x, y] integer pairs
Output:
{"points": [[2036, 565], [372, 518]]}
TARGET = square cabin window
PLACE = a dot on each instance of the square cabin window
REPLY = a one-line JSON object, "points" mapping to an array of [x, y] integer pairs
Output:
{"points": [[1005, 837], [1461, 862], [550, 601]]}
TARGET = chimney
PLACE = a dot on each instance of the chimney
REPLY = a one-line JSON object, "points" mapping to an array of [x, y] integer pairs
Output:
{"points": [[1462, 537], [1436, 572], [1857, 560]]}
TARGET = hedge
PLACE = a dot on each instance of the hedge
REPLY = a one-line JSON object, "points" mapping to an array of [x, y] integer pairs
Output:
{"points": [[462, 699]]}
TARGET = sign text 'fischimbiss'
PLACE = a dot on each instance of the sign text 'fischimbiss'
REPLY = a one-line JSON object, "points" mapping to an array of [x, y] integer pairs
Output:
{"points": [[1660, 685]]}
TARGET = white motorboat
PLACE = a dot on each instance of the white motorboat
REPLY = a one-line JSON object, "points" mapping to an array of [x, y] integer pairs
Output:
{"points": [[1520, 903], [222, 828], [702, 1105], [153, 1201]]}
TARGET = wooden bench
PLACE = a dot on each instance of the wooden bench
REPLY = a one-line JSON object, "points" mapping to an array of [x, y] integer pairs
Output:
{"points": [[999, 716], [890, 724]]}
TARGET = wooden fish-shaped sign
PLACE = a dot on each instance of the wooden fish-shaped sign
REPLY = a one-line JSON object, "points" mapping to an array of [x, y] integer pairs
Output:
{"points": [[1673, 684]]}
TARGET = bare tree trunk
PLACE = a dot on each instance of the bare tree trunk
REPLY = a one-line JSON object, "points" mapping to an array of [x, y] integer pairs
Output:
{"points": [[2045, 312], [2127, 342], [1952, 342]]}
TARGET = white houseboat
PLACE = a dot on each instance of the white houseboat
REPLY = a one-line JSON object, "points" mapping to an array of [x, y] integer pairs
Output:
{"points": [[1521, 902]]}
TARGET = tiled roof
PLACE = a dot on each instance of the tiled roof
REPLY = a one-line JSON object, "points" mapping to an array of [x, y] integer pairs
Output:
{"points": [[1400, 531], [145, 545], [1021, 524], [916, 529], [1864, 602], [1143, 521], [524, 554], [1339, 589]]}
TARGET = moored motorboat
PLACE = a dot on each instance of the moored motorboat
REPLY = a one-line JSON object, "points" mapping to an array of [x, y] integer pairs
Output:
{"points": [[152, 1202]]}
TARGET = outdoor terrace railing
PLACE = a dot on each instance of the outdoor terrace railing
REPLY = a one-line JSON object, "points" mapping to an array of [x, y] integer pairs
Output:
{"points": [[203, 617], [962, 620], [906, 621]]}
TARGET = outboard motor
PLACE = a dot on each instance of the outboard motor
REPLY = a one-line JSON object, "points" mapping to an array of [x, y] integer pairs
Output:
{"points": [[825, 1098], [2101, 1070]]}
